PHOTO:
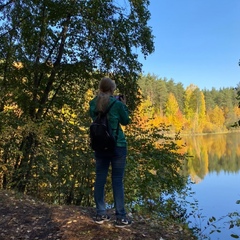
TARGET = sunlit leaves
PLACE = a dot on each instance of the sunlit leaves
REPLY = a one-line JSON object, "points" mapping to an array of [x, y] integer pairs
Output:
{"points": [[53, 54], [196, 108], [154, 163]]}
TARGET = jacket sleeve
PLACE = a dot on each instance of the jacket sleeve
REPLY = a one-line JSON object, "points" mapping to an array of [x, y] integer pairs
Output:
{"points": [[123, 114]]}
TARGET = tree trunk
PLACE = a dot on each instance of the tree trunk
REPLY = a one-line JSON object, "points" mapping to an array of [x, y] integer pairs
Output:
{"points": [[23, 167]]}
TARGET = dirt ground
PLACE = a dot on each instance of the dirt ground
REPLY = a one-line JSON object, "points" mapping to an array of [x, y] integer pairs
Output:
{"points": [[24, 218]]}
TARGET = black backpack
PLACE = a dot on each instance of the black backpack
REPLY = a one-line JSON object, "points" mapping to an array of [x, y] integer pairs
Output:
{"points": [[101, 136]]}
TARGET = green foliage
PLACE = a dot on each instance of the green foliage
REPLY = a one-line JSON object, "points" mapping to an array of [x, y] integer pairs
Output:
{"points": [[153, 169], [52, 53], [67, 43], [196, 106], [203, 228], [61, 167]]}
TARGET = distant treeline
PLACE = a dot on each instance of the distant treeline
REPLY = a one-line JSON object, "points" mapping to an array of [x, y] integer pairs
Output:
{"points": [[190, 110]]}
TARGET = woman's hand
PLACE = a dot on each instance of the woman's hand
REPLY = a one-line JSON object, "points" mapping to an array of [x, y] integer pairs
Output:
{"points": [[122, 98]]}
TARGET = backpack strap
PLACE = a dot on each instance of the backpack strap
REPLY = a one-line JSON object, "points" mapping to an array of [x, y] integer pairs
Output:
{"points": [[109, 107], [97, 113], [117, 130], [106, 112]]}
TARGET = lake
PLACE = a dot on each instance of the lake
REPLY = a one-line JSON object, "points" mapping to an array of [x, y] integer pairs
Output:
{"points": [[215, 170]]}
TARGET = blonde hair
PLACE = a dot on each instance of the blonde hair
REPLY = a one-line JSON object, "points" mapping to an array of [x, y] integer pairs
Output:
{"points": [[105, 90]]}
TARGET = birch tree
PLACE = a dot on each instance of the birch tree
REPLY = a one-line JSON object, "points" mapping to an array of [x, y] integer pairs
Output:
{"points": [[52, 52]]}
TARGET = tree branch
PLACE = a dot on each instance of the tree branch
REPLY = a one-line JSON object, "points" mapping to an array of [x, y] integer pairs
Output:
{"points": [[55, 67]]}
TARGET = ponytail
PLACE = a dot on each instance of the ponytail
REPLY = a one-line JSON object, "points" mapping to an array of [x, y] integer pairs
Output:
{"points": [[106, 89]]}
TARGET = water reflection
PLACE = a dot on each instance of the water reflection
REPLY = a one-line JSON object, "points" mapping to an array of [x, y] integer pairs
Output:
{"points": [[215, 167], [213, 153]]}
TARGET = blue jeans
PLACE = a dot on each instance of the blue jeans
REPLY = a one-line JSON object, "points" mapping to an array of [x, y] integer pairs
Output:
{"points": [[117, 159]]}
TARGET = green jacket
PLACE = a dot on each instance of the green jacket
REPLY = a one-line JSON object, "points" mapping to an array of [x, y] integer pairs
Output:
{"points": [[118, 114]]}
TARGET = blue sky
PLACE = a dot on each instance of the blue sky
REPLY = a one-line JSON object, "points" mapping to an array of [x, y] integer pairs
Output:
{"points": [[196, 42]]}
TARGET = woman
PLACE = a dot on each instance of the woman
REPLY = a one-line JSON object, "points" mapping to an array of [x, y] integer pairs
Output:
{"points": [[118, 114]]}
